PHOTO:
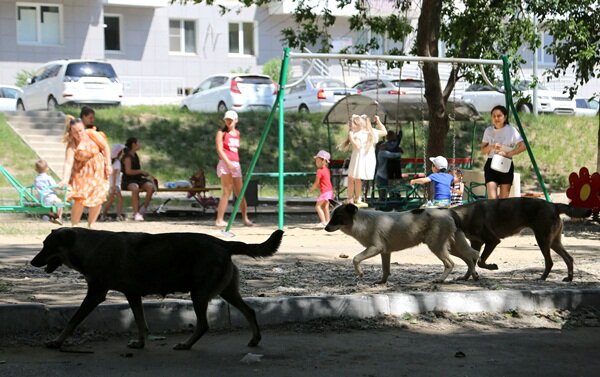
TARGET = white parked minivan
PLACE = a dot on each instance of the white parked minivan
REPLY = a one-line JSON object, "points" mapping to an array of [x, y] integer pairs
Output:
{"points": [[75, 82]]}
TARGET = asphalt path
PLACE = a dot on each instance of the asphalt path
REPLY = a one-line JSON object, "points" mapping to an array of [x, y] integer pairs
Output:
{"points": [[329, 351]]}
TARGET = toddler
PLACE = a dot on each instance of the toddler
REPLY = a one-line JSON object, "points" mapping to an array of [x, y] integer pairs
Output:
{"points": [[323, 182], [442, 181], [458, 187], [45, 186]]}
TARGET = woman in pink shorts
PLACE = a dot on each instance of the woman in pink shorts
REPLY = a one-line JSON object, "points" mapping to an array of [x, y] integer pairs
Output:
{"points": [[323, 183], [228, 168]]}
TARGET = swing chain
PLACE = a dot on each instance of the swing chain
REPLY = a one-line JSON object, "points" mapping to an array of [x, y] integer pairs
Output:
{"points": [[452, 115], [424, 147]]}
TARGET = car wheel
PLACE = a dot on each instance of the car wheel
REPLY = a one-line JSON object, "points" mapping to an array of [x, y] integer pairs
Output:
{"points": [[222, 107], [52, 104], [20, 106], [525, 108], [303, 109]]}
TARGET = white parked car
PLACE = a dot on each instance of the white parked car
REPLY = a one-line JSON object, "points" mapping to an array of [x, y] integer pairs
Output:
{"points": [[387, 85], [239, 92], [8, 97], [75, 82], [315, 94], [586, 107], [485, 97]]}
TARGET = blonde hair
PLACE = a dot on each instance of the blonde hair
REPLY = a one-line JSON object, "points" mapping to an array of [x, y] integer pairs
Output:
{"points": [[361, 122], [70, 121], [41, 166]]}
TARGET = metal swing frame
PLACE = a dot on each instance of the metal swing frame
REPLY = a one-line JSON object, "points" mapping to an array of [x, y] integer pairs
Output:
{"points": [[279, 107]]}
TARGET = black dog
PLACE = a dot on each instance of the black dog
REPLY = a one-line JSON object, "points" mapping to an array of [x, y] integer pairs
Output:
{"points": [[488, 221], [138, 264]]}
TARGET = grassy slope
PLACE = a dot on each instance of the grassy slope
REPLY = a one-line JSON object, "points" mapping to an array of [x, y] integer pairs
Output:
{"points": [[175, 143]]}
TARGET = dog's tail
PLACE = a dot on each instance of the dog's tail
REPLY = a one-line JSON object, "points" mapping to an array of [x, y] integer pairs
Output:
{"points": [[573, 211], [257, 250]]}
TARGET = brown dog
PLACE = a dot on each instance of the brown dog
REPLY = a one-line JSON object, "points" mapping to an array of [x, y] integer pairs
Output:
{"points": [[488, 221], [138, 264]]}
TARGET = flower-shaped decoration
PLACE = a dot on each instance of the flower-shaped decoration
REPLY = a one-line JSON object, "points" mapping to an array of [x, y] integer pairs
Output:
{"points": [[584, 190]]}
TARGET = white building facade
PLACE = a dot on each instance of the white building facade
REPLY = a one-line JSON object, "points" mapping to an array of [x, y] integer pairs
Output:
{"points": [[158, 50]]}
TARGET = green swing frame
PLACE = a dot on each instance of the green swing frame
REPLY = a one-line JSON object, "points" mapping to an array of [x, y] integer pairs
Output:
{"points": [[28, 200]]}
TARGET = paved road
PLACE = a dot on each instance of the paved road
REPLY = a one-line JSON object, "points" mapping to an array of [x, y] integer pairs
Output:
{"points": [[331, 351]]}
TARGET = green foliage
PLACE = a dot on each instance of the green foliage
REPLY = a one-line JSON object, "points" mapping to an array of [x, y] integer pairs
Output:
{"points": [[272, 68], [175, 143], [22, 77], [241, 70]]}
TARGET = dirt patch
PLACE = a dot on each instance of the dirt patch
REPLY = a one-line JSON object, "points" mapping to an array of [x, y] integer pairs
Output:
{"points": [[311, 262]]}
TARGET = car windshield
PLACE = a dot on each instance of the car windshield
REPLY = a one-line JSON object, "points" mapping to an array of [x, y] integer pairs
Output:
{"points": [[256, 80], [90, 69], [327, 83]]}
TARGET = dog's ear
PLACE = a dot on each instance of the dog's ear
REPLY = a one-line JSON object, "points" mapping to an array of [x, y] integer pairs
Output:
{"points": [[68, 237], [351, 209]]}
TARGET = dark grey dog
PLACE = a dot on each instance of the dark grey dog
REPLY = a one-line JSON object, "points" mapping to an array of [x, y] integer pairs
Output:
{"points": [[488, 221], [385, 232], [138, 264]]}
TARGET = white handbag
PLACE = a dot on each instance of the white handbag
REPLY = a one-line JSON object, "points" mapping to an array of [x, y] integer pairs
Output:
{"points": [[500, 163]]}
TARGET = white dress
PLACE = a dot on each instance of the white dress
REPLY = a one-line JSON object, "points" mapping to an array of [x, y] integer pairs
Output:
{"points": [[363, 160]]}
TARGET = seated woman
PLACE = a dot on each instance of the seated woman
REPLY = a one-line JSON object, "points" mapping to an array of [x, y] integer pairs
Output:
{"points": [[135, 179]]}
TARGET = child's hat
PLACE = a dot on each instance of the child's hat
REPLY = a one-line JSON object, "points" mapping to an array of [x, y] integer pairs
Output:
{"points": [[324, 155], [230, 115], [116, 149], [440, 162]]}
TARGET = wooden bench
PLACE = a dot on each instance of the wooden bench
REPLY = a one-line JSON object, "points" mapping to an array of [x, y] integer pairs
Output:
{"points": [[197, 193]]}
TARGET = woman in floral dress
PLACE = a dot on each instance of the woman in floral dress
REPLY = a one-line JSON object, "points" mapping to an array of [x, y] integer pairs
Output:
{"points": [[87, 168]]}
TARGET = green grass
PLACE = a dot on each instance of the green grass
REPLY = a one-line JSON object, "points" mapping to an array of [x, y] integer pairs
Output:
{"points": [[175, 143]]}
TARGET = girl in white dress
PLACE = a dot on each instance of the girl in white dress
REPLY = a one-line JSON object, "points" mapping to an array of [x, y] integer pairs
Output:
{"points": [[362, 137]]}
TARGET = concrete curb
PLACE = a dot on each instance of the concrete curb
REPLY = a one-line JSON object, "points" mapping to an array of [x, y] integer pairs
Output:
{"points": [[179, 314]]}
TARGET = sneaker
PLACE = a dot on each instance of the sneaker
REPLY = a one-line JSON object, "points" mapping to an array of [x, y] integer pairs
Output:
{"points": [[138, 217], [361, 204], [56, 220]]}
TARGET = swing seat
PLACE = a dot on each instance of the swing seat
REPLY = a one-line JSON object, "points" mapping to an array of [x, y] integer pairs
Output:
{"points": [[27, 198]]}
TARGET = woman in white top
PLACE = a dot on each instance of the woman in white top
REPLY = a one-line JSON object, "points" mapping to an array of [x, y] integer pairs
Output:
{"points": [[503, 139]]}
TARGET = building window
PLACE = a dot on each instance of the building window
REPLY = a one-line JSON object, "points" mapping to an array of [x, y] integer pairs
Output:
{"points": [[39, 24], [241, 38], [112, 32], [182, 36], [543, 56]]}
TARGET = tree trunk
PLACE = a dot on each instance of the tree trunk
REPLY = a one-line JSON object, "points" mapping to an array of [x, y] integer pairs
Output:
{"points": [[427, 45]]}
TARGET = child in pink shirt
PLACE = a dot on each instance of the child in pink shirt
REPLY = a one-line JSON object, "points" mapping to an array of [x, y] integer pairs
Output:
{"points": [[323, 182]]}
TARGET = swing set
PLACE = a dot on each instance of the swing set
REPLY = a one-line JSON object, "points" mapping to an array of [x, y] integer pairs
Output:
{"points": [[278, 108]]}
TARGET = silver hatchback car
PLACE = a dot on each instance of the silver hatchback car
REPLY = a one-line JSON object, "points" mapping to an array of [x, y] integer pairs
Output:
{"points": [[316, 94], [239, 92]]}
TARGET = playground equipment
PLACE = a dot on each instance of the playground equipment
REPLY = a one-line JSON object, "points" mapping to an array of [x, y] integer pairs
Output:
{"points": [[584, 191], [27, 199], [283, 84]]}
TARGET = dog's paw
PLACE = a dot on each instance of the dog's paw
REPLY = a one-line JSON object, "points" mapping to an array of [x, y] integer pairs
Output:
{"points": [[54, 344], [254, 342], [182, 347], [568, 278], [491, 266], [136, 344], [381, 282]]}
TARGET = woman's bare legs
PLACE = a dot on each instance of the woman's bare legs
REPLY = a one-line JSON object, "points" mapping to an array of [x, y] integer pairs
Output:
{"points": [[322, 209], [93, 213], [149, 189], [357, 190], [227, 188], [237, 187], [76, 212], [135, 197], [505, 191], [492, 190], [351, 190]]}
